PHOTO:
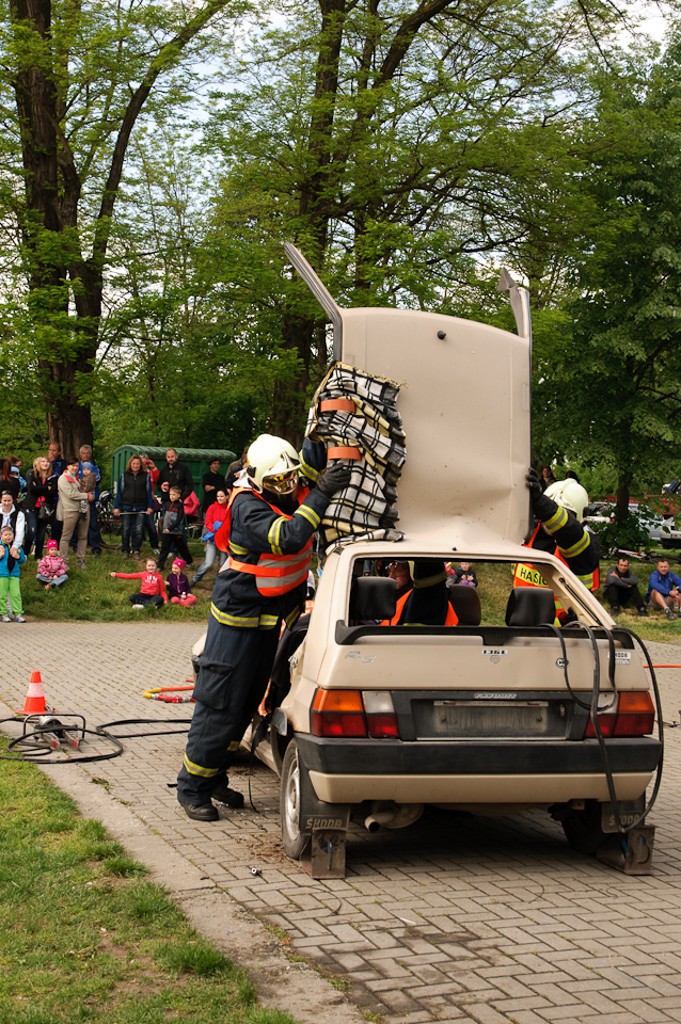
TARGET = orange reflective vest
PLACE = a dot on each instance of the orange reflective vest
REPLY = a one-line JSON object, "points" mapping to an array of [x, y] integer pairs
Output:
{"points": [[274, 574], [451, 618], [527, 575]]}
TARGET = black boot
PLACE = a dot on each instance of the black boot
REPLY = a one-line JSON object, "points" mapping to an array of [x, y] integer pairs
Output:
{"points": [[224, 795], [200, 812]]}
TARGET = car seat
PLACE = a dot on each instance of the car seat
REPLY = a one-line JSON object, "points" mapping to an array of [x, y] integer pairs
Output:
{"points": [[466, 603], [530, 606]]}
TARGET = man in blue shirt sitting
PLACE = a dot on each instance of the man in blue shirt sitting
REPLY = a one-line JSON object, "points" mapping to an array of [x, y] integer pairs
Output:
{"points": [[664, 589]]}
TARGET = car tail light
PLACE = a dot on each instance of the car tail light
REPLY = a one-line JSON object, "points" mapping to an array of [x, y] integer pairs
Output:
{"points": [[381, 717], [338, 713], [351, 713], [634, 715]]}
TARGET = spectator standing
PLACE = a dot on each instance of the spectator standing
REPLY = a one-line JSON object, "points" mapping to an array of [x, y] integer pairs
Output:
{"points": [[621, 588], [211, 482], [52, 569], [16, 463], [10, 588], [175, 473], [133, 502], [94, 534], [234, 469], [58, 463], [56, 458], [214, 519], [9, 481], [14, 518], [547, 477], [39, 504], [664, 589], [152, 590], [149, 467], [70, 513], [174, 530]]}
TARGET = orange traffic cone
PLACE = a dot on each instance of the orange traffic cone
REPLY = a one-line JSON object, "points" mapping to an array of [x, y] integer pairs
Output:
{"points": [[35, 698]]}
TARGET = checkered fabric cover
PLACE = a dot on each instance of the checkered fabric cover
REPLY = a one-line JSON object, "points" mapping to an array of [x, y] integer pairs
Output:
{"points": [[374, 427]]}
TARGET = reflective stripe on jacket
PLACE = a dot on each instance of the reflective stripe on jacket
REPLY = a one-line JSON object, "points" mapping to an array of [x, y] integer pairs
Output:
{"points": [[275, 572], [577, 557]]}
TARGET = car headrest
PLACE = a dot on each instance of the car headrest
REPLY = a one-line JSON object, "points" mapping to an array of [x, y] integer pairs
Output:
{"points": [[373, 597], [530, 606], [466, 603]]}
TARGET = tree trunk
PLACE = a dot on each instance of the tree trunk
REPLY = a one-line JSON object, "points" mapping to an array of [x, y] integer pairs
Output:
{"points": [[59, 274]]}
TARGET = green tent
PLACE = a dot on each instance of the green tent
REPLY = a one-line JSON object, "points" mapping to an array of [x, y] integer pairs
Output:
{"points": [[197, 459]]}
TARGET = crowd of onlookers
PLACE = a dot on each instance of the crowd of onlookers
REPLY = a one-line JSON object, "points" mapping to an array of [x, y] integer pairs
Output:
{"points": [[54, 508], [663, 594]]}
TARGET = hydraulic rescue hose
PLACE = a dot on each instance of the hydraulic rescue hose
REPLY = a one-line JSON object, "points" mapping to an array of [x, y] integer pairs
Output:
{"points": [[34, 744], [593, 708]]}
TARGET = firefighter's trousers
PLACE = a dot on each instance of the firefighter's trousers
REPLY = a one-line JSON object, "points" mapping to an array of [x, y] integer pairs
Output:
{"points": [[232, 679]]}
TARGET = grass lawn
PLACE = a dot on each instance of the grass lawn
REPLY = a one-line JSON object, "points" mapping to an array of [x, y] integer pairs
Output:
{"points": [[91, 595], [84, 937], [495, 582]]}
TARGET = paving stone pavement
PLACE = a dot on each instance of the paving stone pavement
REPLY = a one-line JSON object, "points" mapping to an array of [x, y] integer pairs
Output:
{"points": [[453, 919]]}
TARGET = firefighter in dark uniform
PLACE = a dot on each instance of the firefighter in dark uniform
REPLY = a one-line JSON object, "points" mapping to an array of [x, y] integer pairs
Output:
{"points": [[559, 511], [271, 526], [426, 602]]}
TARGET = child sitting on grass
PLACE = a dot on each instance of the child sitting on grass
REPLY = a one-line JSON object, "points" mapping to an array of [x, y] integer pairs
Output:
{"points": [[153, 589], [178, 584], [10, 560], [52, 568]]}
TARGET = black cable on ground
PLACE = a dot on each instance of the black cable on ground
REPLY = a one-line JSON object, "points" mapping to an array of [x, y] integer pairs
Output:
{"points": [[41, 748], [145, 721]]}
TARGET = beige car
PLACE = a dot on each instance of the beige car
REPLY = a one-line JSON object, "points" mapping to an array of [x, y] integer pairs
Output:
{"points": [[501, 712]]}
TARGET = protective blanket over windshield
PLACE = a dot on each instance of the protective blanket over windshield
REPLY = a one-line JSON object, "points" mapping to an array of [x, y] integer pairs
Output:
{"points": [[354, 414]]}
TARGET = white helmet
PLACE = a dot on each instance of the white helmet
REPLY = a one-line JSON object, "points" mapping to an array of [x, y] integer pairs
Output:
{"points": [[272, 463], [570, 495]]}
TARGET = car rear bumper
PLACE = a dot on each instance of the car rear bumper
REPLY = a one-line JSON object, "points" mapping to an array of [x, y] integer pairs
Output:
{"points": [[540, 772]]}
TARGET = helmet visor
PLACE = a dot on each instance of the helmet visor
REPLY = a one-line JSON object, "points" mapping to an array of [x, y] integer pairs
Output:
{"points": [[282, 483]]}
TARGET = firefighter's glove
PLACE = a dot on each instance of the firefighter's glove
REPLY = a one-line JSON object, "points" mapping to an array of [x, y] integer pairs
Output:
{"points": [[534, 485], [334, 478]]}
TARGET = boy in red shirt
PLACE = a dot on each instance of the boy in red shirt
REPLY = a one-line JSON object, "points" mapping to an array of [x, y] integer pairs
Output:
{"points": [[153, 588]]}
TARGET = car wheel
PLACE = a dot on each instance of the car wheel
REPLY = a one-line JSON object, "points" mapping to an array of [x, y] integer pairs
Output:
{"points": [[583, 829], [294, 836]]}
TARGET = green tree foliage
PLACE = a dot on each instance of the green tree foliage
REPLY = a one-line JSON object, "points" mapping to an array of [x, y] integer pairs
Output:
{"points": [[609, 389], [78, 76], [406, 147]]}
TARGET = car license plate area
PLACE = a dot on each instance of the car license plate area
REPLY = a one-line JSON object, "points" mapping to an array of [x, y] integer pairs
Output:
{"points": [[475, 719]]}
